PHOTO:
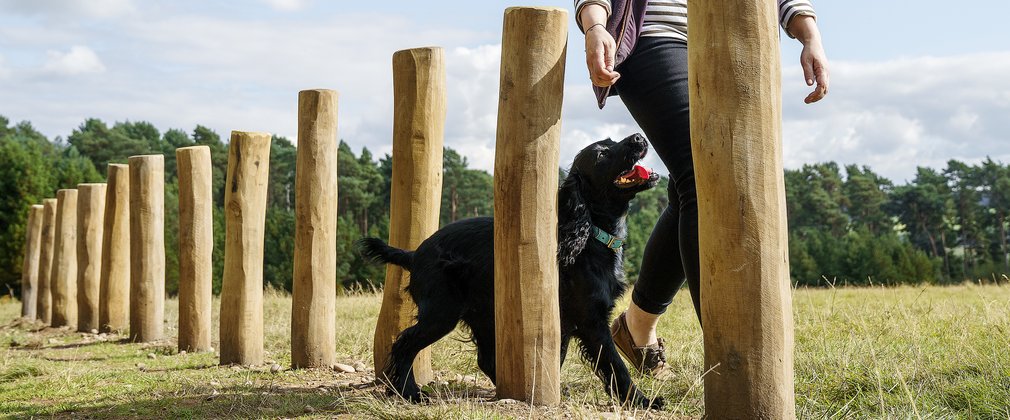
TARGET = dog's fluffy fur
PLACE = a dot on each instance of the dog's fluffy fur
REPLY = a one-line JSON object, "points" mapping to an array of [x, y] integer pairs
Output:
{"points": [[452, 273]]}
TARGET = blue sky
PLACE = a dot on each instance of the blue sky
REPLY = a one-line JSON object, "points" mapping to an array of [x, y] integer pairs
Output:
{"points": [[914, 83]]}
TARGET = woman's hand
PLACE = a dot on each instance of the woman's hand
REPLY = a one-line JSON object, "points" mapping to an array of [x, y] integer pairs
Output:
{"points": [[600, 46], [812, 58], [600, 51]]}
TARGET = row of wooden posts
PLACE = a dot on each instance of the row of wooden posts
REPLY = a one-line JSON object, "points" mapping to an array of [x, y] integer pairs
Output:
{"points": [[96, 254]]}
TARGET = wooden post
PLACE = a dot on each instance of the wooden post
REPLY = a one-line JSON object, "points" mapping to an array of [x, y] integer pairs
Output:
{"points": [[147, 247], [527, 323], [734, 74], [416, 190], [314, 291], [90, 217], [196, 245], [30, 269], [245, 201], [114, 295], [44, 303], [64, 278]]}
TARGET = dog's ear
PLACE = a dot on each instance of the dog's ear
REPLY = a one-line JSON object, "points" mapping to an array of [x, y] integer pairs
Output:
{"points": [[574, 223]]}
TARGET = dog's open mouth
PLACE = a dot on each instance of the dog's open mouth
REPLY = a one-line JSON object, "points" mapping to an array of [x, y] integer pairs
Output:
{"points": [[638, 175]]}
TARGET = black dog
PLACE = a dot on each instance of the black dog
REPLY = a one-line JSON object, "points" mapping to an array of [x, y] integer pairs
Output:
{"points": [[452, 272]]}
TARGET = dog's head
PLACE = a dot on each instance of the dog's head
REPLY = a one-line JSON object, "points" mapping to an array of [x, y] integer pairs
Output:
{"points": [[603, 179], [608, 171]]}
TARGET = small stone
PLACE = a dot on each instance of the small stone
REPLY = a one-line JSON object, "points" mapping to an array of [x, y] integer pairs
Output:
{"points": [[182, 352], [142, 367], [459, 378], [152, 356], [309, 409], [274, 368], [215, 383], [507, 401], [210, 349], [94, 331], [358, 366], [340, 367]]}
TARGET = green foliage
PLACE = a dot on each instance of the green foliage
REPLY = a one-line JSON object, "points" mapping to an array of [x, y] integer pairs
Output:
{"points": [[31, 169], [642, 217], [465, 192], [848, 226]]}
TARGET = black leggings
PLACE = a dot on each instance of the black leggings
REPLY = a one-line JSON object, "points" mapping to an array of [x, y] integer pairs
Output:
{"points": [[654, 87]]}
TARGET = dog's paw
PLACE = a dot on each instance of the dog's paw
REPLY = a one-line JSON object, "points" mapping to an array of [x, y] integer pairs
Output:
{"points": [[415, 395], [653, 404]]}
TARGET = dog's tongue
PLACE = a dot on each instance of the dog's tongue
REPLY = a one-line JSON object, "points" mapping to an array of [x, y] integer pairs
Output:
{"points": [[638, 172]]}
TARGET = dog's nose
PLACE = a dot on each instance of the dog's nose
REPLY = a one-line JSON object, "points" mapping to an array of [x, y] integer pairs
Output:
{"points": [[639, 140]]}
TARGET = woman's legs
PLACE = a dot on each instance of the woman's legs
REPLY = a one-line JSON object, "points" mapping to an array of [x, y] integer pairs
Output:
{"points": [[654, 87]]}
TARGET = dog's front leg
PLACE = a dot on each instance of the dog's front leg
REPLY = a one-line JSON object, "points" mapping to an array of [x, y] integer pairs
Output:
{"points": [[599, 350]]}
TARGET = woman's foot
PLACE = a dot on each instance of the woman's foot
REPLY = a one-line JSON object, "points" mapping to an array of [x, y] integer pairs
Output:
{"points": [[648, 359]]}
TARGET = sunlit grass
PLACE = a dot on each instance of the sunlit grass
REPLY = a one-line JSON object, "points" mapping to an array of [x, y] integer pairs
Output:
{"points": [[860, 353]]}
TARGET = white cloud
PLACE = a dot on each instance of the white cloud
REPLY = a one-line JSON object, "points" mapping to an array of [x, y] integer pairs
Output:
{"points": [[964, 120], [103, 9], [179, 70], [4, 71], [287, 5], [899, 114], [79, 60]]}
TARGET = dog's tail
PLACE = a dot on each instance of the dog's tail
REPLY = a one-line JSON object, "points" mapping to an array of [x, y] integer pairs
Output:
{"points": [[378, 251]]}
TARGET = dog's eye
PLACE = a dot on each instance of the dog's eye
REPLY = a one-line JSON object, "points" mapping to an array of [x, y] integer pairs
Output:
{"points": [[602, 153]]}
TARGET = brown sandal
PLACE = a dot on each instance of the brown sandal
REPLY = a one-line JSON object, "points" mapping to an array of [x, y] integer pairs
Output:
{"points": [[648, 359]]}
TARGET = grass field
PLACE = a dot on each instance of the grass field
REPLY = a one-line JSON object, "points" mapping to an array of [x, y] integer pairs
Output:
{"points": [[926, 352]]}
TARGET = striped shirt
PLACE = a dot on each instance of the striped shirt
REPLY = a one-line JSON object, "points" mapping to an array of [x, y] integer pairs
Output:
{"points": [[668, 18]]}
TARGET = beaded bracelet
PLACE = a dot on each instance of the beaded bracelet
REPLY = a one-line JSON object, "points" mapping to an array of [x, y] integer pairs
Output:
{"points": [[593, 26]]}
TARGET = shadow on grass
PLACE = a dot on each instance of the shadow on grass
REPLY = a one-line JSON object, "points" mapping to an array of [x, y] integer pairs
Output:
{"points": [[355, 399], [229, 402]]}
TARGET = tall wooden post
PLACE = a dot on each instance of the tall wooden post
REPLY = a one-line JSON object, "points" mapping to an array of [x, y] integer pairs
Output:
{"points": [[64, 278], [196, 245], [114, 293], [416, 190], [734, 74], [314, 291], [30, 269], [47, 247], [90, 217], [147, 247], [245, 201], [527, 324]]}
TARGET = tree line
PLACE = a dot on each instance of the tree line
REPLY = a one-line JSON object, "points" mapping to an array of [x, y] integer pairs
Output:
{"points": [[852, 228]]}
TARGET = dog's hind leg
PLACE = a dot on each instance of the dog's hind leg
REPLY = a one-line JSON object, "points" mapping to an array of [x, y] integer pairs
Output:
{"points": [[599, 350], [431, 326], [483, 338], [565, 339]]}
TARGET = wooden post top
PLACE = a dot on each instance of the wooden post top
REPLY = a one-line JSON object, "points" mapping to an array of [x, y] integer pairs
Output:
{"points": [[191, 149], [137, 158]]}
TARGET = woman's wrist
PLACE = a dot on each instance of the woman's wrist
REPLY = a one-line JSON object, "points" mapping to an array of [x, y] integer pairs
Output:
{"points": [[591, 15], [804, 29]]}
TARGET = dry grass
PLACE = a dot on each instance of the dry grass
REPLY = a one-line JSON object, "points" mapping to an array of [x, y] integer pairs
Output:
{"points": [[860, 353]]}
